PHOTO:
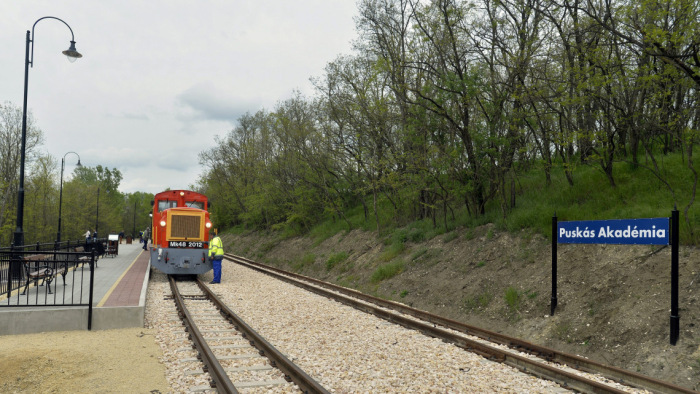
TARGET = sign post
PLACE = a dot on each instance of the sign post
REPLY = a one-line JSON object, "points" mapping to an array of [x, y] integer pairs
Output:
{"points": [[553, 304], [654, 231], [675, 319]]}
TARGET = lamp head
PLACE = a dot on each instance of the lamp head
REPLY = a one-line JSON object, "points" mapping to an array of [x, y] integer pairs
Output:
{"points": [[72, 53], [79, 165]]}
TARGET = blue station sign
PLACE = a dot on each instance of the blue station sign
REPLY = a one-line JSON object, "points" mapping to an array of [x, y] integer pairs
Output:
{"points": [[654, 231]]}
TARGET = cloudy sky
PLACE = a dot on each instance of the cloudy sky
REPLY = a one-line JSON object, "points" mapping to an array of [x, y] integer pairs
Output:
{"points": [[160, 78]]}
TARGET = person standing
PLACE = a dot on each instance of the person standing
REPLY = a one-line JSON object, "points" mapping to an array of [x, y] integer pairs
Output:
{"points": [[146, 235], [216, 254]]}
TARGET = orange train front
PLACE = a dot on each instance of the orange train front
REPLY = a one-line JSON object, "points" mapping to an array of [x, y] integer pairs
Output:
{"points": [[180, 233]]}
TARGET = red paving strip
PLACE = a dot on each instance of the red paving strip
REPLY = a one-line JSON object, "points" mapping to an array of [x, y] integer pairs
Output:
{"points": [[128, 291]]}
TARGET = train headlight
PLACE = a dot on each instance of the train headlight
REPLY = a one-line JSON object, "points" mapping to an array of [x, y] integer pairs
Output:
{"points": [[208, 224], [162, 223]]}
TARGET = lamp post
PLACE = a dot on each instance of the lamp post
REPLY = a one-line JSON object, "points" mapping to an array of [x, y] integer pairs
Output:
{"points": [[60, 194], [29, 60], [97, 214], [133, 232]]}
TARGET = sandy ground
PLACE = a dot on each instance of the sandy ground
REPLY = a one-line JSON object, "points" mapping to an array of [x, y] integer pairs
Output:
{"points": [[104, 361]]}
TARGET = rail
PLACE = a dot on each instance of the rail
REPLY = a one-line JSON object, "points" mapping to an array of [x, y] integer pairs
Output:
{"points": [[374, 305], [221, 380]]}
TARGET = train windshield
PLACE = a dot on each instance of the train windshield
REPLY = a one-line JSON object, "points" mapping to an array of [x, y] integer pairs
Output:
{"points": [[165, 204], [195, 204]]}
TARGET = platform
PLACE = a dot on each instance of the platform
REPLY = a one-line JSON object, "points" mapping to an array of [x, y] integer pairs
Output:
{"points": [[119, 299]]}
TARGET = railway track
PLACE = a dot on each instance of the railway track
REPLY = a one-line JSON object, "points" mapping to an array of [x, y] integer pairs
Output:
{"points": [[570, 371], [220, 336]]}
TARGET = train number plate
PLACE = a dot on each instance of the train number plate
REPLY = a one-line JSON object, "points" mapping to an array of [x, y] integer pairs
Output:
{"points": [[187, 244]]}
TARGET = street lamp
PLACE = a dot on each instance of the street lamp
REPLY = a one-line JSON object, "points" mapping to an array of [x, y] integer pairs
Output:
{"points": [[97, 215], [72, 55], [60, 195]]}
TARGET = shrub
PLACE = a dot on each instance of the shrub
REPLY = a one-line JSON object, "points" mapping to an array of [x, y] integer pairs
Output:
{"points": [[387, 271]]}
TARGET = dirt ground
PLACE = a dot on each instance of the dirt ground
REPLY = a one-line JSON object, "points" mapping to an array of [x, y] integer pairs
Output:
{"points": [[106, 361], [614, 305], [613, 300]]}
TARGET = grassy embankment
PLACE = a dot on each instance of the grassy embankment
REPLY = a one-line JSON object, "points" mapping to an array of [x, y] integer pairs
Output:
{"points": [[638, 193]]}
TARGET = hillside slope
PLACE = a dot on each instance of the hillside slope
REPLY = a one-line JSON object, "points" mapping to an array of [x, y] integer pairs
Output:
{"points": [[614, 300]]}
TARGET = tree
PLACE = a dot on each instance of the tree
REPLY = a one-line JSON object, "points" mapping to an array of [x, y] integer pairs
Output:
{"points": [[10, 155]]}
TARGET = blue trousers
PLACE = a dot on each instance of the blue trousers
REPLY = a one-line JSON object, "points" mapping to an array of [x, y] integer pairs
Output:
{"points": [[217, 269]]}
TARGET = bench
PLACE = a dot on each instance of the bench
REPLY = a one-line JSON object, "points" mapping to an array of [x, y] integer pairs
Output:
{"points": [[82, 259], [37, 267]]}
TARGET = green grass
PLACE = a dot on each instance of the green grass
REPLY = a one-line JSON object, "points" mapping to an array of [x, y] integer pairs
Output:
{"points": [[451, 236], [513, 298], [305, 261], [387, 271], [418, 253], [392, 251], [638, 194], [334, 259]]}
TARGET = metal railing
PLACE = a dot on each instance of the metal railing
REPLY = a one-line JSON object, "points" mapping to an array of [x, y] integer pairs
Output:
{"points": [[47, 278]]}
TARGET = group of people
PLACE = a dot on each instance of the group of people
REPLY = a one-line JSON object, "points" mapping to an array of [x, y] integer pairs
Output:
{"points": [[90, 236]]}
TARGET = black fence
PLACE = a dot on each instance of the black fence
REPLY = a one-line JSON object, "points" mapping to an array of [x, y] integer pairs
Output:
{"points": [[48, 277]]}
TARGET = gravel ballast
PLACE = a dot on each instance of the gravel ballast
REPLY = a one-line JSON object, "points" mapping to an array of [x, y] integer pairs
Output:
{"points": [[343, 349]]}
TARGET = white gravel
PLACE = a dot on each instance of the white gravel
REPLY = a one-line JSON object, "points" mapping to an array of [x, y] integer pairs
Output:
{"points": [[345, 350]]}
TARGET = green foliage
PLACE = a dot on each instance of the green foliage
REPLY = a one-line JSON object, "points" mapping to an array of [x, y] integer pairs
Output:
{"points": [[451, 236], [403, 293], [513, 298], [334, 259], [392, 251], [387, 271], [418, 253], [304, 262], [447, 146]]}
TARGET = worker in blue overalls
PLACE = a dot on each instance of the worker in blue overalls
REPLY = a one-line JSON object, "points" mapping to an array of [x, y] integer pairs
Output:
{"points": [[216, 254]]}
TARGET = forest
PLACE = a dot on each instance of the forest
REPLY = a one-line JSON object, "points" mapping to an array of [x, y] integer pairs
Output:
{"points": [[451, 112]]}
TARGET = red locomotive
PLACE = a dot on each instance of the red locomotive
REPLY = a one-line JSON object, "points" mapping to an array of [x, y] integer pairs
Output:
{"points": [[180, 233]]}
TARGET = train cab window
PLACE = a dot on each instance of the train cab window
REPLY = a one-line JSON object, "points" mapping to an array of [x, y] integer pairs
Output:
{"points": [[165, 204], [195, 204]]}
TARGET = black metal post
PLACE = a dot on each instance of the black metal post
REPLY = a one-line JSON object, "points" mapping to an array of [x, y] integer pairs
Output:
{"points": [[134, 230], [675, 319], [92, 282], [60, 201], [553, 304], [60, 194], [97, 217], [19, 230]]}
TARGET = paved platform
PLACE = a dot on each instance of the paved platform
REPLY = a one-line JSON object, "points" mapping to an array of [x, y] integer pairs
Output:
{"points": [[119, 299]]}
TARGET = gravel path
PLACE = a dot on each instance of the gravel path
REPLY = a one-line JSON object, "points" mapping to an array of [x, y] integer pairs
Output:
{"points": [[346, 350]]}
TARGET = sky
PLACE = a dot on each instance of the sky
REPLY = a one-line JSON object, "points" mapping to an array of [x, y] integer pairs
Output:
{"points": [[160, 79]]}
